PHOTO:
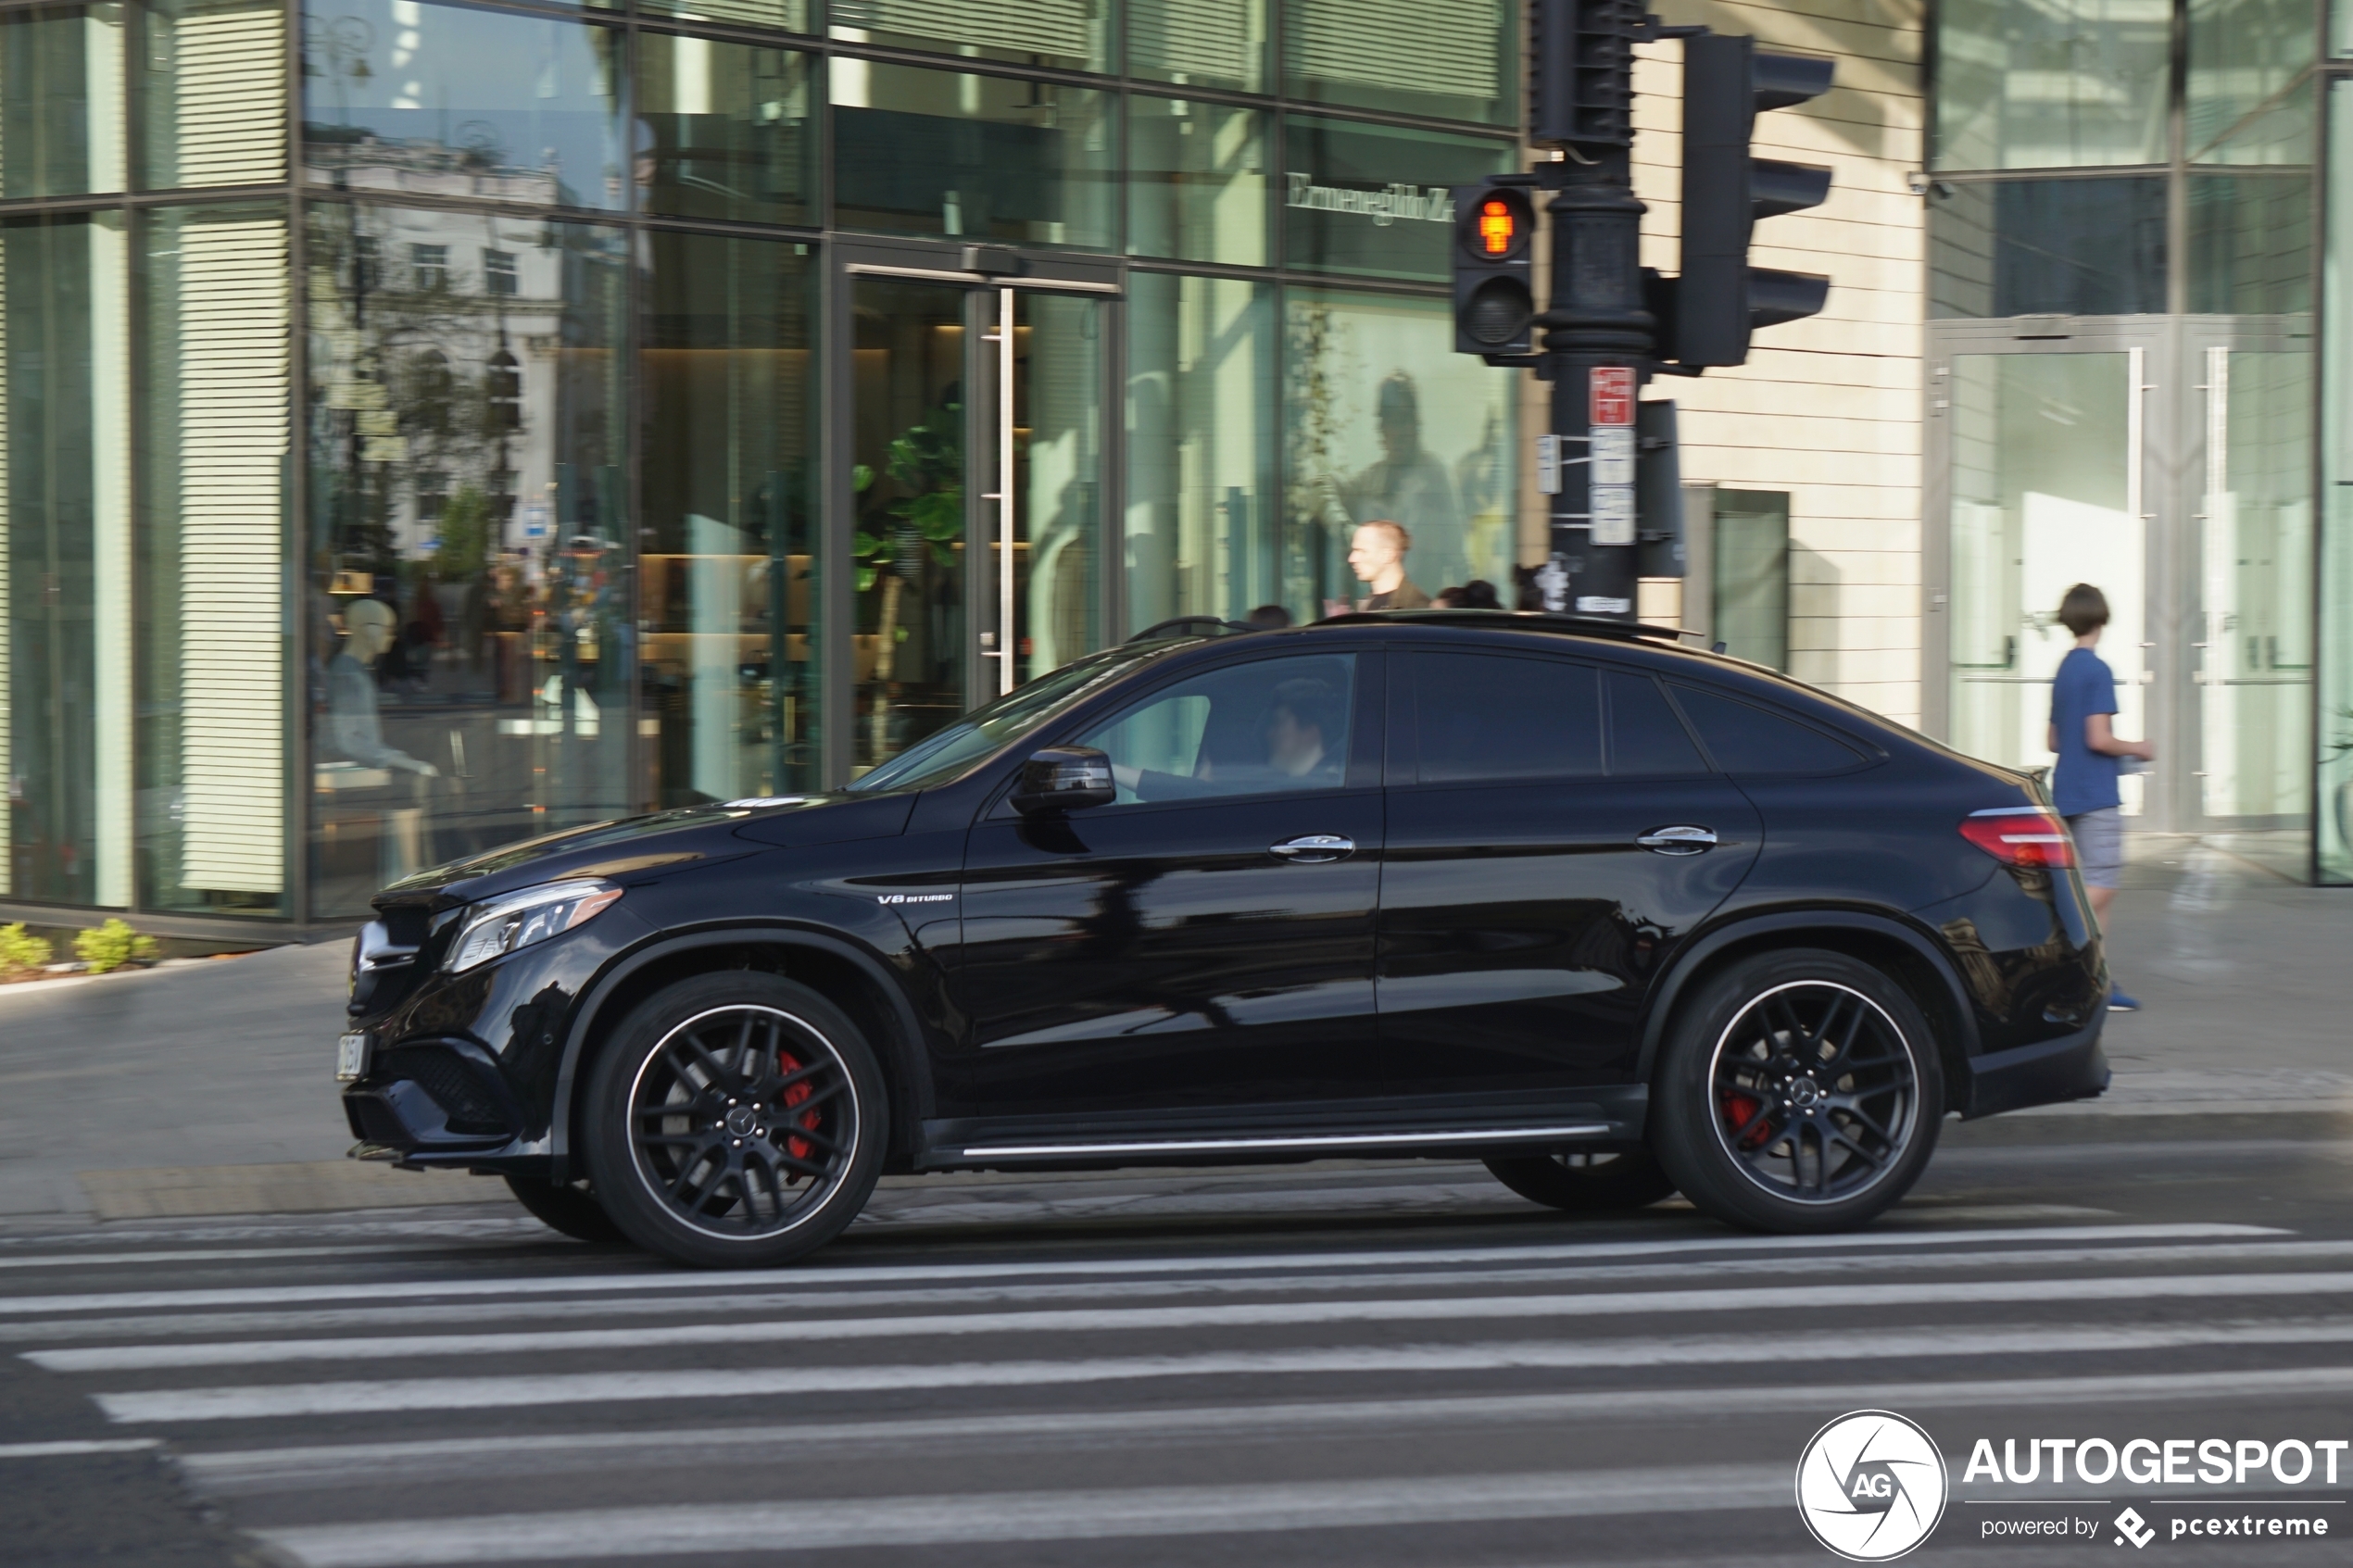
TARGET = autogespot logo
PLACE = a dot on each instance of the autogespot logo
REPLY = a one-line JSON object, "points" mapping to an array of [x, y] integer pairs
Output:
{"points": [[1870, 1485]]}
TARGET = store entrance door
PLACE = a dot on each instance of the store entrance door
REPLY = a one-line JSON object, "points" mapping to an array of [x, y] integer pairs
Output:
{"points": [[973, 487]]}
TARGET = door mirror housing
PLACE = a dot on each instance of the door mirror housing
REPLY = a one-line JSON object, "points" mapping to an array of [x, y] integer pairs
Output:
{"points": [[1063, 778]]}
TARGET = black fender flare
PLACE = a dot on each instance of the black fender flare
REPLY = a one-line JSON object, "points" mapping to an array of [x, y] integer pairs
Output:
{"points": [[1746, 928], [906, 1053]]}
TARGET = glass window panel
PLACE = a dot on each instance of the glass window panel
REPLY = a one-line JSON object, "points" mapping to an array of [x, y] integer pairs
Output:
{"points": [[1749, 556], [2035, 84], [1371, 199], [1203, 534], [1386, 423], [2250, 244], [1199, 43], [402, 95], [1058, 479], [1746, 739], [469, 581], [1645, 737], [1075, 33], [726, 131], [61, 91], [728, 596], [790, 14], [1271, 726], [1452, 59], [2070, 248], [66, 594], [1196, 181], [2241, 54], [212, 80], [2332, 785], [1487, 718], [212, 655], [983, 158]]}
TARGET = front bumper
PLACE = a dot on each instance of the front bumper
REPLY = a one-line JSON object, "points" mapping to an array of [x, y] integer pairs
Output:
{"points": [[2047, 1072]]}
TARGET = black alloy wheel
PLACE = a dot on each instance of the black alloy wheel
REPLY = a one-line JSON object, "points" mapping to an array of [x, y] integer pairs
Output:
{"points": [[569, 1210], [1585, 1181], [1799, 1092], [735, 1120]]}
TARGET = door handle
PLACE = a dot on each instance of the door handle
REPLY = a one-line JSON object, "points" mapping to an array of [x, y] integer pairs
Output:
{"points": [[1678, 840], [1309, 848]]}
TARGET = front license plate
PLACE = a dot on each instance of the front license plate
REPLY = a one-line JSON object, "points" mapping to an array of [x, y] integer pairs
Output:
{"points": [[351, 1057]]}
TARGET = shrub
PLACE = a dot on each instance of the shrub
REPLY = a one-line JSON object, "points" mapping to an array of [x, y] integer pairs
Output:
{"points": [[111, 945], [20, 951]]}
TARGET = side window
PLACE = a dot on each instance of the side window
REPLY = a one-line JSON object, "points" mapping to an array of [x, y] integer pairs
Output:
{"points": [[1745, 738], [1644, 735], [1266, 727], [1484, 718]]}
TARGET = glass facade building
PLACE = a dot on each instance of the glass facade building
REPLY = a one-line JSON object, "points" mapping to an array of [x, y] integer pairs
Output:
{"points": [[426, 425]]}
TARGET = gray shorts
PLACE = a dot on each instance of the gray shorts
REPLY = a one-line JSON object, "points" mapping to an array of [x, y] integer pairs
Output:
{"points": [[2099, 846]]}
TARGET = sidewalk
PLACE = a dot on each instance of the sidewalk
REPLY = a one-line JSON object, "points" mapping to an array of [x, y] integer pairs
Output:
{"points": [[208, 1088]]}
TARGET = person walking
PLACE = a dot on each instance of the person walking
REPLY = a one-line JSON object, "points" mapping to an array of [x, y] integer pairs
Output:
{"points": [[1377, 554], [2090, 757]]}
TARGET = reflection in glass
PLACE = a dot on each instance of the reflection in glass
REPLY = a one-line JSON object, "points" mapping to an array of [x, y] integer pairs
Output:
{"points": [[61, 89], [1058, 479], [210, 499], [1386, 425], [2040, 501], [1372, 199], [405, 96], [726, 131], [1202, 534], [2255, 693], [1271, 726], [212, 82], [2068, 247], [1748, 559], [2332, 789], [2029, 84], [2250, 244], [728, 591], [1199, 43], [908, 476], [1196, 181], [66, 688], [982, 158], [1450, 59], [1072, 33], [2241, 53], [471, 644], [790, 14]]}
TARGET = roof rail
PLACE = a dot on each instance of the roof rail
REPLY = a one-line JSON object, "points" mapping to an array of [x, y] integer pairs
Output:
{"points": [[1507, 620]]}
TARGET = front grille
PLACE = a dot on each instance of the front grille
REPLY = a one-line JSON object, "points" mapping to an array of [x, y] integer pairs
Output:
{"points": [[454, 1084]]}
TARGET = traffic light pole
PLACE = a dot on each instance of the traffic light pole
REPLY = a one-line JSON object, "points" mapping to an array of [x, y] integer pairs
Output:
{"points": [[1598, 335]]}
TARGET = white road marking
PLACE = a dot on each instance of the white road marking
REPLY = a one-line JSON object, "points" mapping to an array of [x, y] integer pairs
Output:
{"points": [[201, 1254], [1130, 1320], [848, 1524], [820, 1276], [68, 1449], [1933, 1340]]}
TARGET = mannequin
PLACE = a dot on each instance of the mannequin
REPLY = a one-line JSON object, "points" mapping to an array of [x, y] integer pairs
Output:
{"points": [[369, 628]]}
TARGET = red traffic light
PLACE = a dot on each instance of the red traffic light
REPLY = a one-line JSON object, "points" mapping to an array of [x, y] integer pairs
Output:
{"points": [[1494, 223], [1498, 227]]}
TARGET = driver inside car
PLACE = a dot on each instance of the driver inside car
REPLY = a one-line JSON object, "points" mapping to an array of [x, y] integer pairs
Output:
{"points": [[1295, 745]]}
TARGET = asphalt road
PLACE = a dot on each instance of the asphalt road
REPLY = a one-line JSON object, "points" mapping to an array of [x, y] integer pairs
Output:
{"points": [[1357, 1365]]}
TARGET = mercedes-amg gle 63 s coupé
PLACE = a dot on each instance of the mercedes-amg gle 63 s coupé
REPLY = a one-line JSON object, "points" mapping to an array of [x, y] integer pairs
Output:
{"points": [[1618, 918]]}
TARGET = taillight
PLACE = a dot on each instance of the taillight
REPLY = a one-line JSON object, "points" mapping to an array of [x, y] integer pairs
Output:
{"points": [[2021, 835]]}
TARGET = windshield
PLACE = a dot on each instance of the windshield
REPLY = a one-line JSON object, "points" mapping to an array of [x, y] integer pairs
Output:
{"points": [[941, 755]]}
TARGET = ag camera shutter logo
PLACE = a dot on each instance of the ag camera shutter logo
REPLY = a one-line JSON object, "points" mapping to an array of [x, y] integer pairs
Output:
{"points": [[1872, 1486]]}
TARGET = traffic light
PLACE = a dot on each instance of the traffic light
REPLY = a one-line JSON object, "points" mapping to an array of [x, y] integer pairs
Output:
{"points": [[1494, 287], [1719, 298], [1580, 71]]}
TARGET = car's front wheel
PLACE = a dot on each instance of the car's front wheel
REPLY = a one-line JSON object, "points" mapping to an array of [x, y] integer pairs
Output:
{"points": [[735, 1120], [566, 1208], [1799, 1091], [1585, 1181]]}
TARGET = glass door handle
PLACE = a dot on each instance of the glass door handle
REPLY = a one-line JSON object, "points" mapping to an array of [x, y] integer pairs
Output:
{"points": [[1310, 849], [1678, 840]]}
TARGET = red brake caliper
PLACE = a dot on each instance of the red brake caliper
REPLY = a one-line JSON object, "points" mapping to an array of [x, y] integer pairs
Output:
{"points": [[788, 1064], [1742, 1110]]}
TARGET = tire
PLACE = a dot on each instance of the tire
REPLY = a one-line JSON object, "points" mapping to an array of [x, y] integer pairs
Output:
{"points": [[1585, 1181], [735, 1120], [1799, 1092], [568, 1209]]}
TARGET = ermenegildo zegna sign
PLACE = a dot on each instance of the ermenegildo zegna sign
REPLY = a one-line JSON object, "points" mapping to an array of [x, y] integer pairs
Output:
{"points": [[1427, 204]]}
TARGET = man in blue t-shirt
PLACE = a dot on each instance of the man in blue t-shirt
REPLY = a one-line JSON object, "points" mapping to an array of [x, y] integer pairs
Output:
{"points": [[2082, 733]]}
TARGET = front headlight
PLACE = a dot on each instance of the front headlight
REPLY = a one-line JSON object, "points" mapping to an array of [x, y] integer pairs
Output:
{"points": [[518, 920]]}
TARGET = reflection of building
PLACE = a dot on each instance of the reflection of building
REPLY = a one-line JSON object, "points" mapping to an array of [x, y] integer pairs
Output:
{"points": [[678, 461]]}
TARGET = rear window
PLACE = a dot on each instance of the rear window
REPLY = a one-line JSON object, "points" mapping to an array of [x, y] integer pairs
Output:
{"points": [[1645, 738], [1745, 738]]}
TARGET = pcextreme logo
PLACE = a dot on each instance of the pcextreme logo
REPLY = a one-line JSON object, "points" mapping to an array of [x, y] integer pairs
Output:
{"points": [[1872, 1486]]}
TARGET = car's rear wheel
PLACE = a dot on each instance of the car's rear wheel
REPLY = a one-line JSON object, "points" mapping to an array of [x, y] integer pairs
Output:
{"points": [[1799, 1092], [569, 1210], [1585, 1181], [735, 1120]]}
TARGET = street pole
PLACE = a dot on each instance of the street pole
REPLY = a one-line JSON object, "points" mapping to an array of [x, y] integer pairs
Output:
{"points": [[1598, 336]]}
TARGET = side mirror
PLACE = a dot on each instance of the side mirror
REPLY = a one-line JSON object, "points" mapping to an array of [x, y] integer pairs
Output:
{"points": [[1063, 778]]}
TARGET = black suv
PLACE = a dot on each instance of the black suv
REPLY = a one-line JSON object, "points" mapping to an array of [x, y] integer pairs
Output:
{"points": [[1618, 918]]}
